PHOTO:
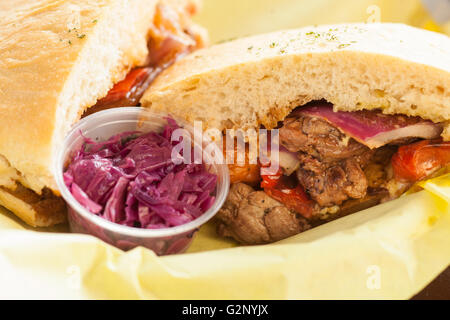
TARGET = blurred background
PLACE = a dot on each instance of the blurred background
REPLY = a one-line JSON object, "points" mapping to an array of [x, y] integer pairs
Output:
{"points": [[229, 19]]}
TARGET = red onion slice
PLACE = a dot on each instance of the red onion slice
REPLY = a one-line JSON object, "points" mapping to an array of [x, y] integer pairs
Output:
{"points": [[288, 161], [373, 128]]}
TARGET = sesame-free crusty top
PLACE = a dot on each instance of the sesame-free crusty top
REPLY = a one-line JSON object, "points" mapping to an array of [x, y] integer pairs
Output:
{"points": [[57, 57], [260, 79]]}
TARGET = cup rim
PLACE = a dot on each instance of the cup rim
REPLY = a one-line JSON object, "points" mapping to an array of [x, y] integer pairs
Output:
{"points": [[223, 184]]}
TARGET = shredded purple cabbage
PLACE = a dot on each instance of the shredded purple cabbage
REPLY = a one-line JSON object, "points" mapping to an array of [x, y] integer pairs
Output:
{"points": [[130, 179]]}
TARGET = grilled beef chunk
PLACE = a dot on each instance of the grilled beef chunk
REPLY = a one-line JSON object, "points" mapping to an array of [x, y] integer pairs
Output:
{"points": [[318, 138], [335, 183], [331, 169], [252, 217]]}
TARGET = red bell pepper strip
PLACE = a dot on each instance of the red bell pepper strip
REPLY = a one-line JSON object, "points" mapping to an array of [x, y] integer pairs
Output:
{"points": [[271, 181], [295, 198], [418, 160], [122, 89]]}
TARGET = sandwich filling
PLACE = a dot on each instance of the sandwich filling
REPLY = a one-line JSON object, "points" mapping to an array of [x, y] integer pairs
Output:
{"points": [[171, 37], [331, 164]]}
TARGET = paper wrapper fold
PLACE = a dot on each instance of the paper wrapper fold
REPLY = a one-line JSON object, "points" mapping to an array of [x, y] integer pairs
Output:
{"points": [[389, 251]]}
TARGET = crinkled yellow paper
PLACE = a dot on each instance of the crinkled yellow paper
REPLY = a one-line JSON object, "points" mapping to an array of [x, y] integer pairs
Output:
{"points": [[389, 251]]}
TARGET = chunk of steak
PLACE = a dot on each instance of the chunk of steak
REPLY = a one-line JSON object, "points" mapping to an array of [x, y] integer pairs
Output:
{"points": [[332, 185], [331, 162], [318, 138], [252, 217]]}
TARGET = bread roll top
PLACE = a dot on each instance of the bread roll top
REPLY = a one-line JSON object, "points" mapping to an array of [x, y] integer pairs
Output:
{"points": [[259, 80]]}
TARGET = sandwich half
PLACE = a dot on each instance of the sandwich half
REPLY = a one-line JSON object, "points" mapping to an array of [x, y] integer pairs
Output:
{"points": [[63, 59], [362, 112]]}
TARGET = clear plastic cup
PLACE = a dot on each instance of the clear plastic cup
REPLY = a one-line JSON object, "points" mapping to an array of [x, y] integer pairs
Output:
{"points": [[101, 126]]}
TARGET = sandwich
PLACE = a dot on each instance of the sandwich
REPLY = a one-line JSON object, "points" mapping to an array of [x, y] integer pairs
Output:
{"points": [[61, 60], [362, 113]]}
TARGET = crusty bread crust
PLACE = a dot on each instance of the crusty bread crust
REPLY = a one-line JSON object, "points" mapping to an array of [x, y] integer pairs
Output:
{"points": [[259, 80], [56, 59]]}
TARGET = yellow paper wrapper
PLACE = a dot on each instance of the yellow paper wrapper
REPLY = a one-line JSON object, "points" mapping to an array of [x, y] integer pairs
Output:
{"points": [[391, 251]]}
